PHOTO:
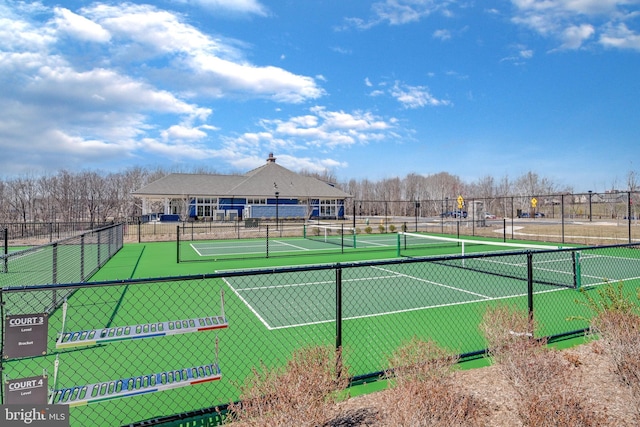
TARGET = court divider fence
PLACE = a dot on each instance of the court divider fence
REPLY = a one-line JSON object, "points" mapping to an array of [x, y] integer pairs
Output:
{"points": [[74, 259], [150, 351]]}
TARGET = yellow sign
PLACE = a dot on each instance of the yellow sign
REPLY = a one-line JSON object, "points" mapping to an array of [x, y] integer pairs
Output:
{"points": [[460, 202], [534, 202]]}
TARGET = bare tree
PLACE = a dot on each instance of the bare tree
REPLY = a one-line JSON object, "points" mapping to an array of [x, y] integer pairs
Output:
{"points": [[22, 198]]}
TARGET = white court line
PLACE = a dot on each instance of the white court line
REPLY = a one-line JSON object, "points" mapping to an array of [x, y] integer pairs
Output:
{"points": [[264, 322], [535, 265], [372, 243], [323, 282], [432, 283], [483, 298], [289, 244]]}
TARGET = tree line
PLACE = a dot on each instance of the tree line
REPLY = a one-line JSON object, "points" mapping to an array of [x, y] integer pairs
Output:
{"points": [[98, 197]]}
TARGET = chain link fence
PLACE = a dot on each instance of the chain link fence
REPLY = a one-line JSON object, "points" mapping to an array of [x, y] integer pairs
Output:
{"points": [[142, 351]]}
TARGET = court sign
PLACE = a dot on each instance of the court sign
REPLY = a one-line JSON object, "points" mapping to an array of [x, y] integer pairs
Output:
{"points": [[22, 391], [26, 335]]}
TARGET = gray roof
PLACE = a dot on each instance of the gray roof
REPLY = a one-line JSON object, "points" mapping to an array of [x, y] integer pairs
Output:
{"points": [[261, 182]]}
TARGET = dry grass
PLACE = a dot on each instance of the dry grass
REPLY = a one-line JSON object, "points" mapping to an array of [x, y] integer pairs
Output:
{"points": [[617, 323], [423, 391], [298, 394], [540, 377]]}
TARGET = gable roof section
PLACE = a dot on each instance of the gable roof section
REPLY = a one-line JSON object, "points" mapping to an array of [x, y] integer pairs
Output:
{"points": [[260, 182]]}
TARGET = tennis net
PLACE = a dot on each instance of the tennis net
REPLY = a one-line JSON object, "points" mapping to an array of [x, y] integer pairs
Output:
{"points": [[549, 266], [333, 234]]}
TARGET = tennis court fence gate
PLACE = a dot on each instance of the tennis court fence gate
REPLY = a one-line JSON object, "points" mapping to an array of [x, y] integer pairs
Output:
{"points": [[169, 348]]}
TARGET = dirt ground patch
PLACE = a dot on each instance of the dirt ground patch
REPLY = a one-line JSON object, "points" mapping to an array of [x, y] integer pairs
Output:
{"points": [[593, 377]]}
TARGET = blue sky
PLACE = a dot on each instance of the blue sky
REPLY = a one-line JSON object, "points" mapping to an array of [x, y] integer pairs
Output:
{"points": [[365, 89]]}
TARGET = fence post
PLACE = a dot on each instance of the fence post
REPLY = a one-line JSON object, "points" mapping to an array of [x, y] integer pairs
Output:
{"points": [[562, 215], [530, 291], [629, 213], [338, 307], [338, 322], [6, 251], [54, 262], [82, 258]]}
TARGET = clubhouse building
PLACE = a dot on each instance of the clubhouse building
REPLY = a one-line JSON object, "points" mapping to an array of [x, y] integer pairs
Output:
{"points": [[270, 191]]}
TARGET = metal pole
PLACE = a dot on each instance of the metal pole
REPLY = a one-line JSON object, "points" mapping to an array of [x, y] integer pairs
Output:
{"points": [[277, 195], [562, 215], [629, 213], [178, 244], [512, 226], [338, 307], [6, 250], [530, 290], [590, 194], [354, 214]]}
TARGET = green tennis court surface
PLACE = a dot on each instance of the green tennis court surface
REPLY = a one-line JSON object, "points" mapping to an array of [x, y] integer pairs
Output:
{"points": [[270, 315], [391, 289]]}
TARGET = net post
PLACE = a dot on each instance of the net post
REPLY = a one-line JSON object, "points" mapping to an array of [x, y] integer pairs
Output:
{"points": [[304, 231], [398, 244], [342, 237], [354, 238], [267, 242], [177, 244]]}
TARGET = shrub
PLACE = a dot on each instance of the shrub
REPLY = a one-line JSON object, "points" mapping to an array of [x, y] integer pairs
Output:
{"points": [[392, 228], [541, 377], [300, 393], [423, 392], [368, 229], [617, 322], [381, 228]]}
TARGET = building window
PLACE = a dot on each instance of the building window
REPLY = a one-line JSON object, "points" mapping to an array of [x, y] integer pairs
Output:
{"points": [[204, 207], [328, 208]]}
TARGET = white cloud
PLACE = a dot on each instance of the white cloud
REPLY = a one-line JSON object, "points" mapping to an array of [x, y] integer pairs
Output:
{"points": [[19, 35], [573, 22], [210, 66], [620, 36], [79, 26], [236, 6], [442, 34], [322, 130], [574, 36], [183, 133], [415, 96], [400, 12]]}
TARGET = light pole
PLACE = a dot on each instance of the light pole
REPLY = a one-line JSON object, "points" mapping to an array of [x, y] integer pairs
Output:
{"points": [[590, 194], [277, 195]]}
